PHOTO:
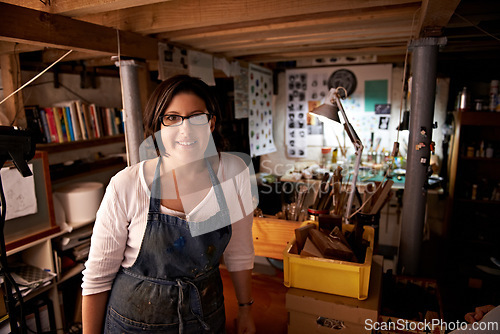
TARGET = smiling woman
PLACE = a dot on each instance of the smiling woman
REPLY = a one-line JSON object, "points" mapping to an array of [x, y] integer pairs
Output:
{"points": [[164, 224], [186, 142]]}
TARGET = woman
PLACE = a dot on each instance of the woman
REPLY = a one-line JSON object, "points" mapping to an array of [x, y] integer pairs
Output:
{"points": [[164, 223]]}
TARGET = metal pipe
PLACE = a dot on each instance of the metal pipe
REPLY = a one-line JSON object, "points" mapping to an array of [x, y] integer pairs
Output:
{"points": [[132, 114], [423, 92]]}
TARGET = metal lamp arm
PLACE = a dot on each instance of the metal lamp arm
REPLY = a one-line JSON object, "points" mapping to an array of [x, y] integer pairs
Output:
{"points": [[353, 136], [358, 146]]}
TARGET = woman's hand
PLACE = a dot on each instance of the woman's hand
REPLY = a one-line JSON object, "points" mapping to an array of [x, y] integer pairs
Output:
{"points": [[478, 314], [246, 324]]}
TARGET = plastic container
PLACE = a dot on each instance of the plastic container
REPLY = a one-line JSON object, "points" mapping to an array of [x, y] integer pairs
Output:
{"points": [[80, 201], [329, 276]]}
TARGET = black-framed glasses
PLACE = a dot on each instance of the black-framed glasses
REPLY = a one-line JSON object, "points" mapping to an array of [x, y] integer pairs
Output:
{"points": [[177, 120]]}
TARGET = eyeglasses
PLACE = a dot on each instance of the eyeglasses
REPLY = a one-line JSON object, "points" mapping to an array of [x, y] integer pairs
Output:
{"points": [[194, 119]]}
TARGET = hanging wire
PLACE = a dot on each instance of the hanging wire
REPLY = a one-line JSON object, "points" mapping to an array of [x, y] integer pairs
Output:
{"points": [[477, 27], [36, 77], [404, 70]]}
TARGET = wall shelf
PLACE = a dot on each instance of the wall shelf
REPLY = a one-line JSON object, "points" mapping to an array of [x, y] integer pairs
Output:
{"points": [[80, 144]]}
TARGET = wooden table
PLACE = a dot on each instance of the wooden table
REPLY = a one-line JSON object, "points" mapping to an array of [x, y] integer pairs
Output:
{"points": [[271, 235]]}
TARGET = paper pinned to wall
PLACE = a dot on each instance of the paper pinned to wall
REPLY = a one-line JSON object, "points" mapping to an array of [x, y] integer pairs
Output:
{"points": [[171, 61], [241, 94], [19, 193], [297, 110], [376, 92], [201, 66], [260, 118]]}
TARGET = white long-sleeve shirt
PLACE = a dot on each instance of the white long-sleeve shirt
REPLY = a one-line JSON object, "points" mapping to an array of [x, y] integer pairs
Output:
{"points": [[121, 222]]}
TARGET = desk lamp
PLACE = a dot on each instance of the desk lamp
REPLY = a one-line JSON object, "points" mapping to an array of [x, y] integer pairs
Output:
{"points": [[329, 111]]}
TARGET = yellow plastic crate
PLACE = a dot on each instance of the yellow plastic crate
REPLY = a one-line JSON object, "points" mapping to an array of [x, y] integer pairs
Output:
{"points": [[329, 276]]}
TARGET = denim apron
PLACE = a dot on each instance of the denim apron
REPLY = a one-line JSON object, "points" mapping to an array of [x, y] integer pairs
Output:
{"points": [[174, 286]]}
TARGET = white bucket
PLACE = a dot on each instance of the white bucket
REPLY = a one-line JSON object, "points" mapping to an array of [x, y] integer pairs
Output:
{"points": [[80, 201]]}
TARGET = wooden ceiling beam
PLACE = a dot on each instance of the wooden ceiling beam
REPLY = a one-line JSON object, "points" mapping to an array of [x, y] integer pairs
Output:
{"points": [[19, 24], [320, 47], [344, 39], [75, 8], [434, 16], [397, 24], [51, 55], [390, 30], [341, 19], [287, 56], [13, 48], [186, 14]]}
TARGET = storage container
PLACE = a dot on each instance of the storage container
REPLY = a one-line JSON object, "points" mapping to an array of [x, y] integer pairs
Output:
{"points": [[329, 276], [316, 312], [80, 201]]}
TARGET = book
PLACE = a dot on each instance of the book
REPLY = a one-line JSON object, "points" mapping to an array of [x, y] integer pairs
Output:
{"points": [[60, 126], [68, 124], [95, 120], [81, 119], [45, 124], [104, 121], [110, 113], [51, 120], [119, 121], [34, 123], [75, 121], [89, 124]]}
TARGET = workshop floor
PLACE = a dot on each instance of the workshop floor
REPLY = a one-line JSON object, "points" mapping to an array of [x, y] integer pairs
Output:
{"points": [[269, 310]]}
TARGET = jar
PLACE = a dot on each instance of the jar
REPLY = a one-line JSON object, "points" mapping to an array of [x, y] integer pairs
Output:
{"points": [[314, 214], [478, 105]]}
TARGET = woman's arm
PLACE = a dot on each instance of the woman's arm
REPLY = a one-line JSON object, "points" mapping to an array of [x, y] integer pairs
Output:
{"points": [[93, 312], [242, 281]]}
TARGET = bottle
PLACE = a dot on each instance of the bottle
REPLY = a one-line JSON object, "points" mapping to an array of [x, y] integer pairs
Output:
{"points": [[464, 100], [369, 154], [493, 95], [489, 151]]}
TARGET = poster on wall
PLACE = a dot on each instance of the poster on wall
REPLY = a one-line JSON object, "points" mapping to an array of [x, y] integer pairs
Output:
{"points": [[296, 115], [241, 94], [260, 115], [367, 88], [171, 61]]}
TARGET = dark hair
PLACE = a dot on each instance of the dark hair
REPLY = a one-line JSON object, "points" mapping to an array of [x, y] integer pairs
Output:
{"points": [[165, 92]]}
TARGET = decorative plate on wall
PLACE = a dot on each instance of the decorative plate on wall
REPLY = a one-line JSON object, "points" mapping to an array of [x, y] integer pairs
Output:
{"points": [[343, 78]]}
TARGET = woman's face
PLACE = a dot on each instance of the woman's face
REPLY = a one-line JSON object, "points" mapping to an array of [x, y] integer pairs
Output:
{"points": [[186, 142]]}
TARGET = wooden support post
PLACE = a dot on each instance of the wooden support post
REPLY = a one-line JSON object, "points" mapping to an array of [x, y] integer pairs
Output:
{"points": [[13, 108]]}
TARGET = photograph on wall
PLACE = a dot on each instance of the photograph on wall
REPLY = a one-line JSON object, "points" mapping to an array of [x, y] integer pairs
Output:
{"points": [[383, 123], [260, 115]]}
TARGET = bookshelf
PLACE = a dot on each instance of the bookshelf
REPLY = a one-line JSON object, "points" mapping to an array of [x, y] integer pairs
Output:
{"points": [[31, 238], [473, 210], [80, 144]]}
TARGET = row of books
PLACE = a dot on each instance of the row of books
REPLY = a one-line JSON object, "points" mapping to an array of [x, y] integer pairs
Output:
{"points": [[73, 120]]}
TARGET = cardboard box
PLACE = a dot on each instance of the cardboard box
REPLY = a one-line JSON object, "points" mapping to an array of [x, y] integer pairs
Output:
{"points": [[315, 312]]}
